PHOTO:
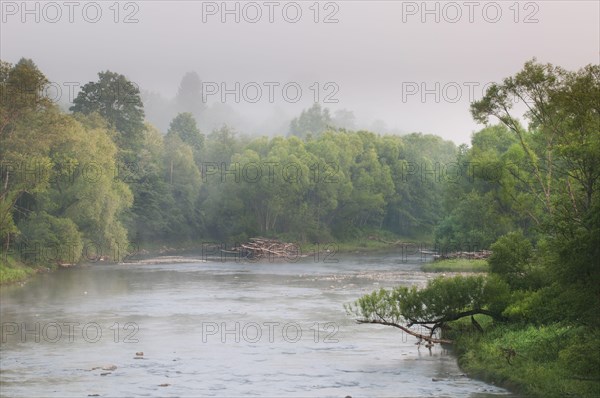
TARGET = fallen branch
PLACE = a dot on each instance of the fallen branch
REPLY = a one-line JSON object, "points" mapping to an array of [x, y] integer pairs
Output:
{"points": [[407, 330]]}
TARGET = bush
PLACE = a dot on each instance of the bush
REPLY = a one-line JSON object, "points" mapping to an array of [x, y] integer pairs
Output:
{"points": [[580, 354], [45, 238], [548, 361], [11, 271], [510, 259]]}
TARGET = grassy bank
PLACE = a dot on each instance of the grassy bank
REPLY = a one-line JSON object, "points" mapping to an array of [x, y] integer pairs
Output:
{"points": [[456, 265], [13, 271], [539, 361]]}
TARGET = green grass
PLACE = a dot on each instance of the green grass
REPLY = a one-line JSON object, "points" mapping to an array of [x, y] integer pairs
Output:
{"points": [[12, 271], [549, 361], [343, 247], [457, 265], [360, 245]]}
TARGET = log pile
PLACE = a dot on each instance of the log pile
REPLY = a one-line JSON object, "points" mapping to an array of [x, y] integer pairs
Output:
{"points": [[258, 248]]}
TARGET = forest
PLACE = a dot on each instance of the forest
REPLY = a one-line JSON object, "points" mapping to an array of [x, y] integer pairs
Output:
{"points": [[100, 176]]}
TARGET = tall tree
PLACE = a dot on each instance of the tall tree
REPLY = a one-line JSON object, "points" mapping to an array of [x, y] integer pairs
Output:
{"points": [[189, 96], [58, 171], [563, 109], [183, 181], [117, 100], [555, 279], [22, 91], [184, 126], [311, 122], [28, 126], [344, 119], [561, 149]]}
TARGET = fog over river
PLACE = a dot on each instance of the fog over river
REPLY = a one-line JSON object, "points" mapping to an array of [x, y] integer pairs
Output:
{"points": [[218, 328]]}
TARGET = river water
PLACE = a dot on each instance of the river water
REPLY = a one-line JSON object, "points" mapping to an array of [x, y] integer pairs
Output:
{"points": [[219, 329]]}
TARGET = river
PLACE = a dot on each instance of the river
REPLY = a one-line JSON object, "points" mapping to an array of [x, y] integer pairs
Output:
{"points": [[218, 329]]}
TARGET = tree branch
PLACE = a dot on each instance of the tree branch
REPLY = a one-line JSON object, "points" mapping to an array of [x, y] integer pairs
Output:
{"points": [[407, 330]]}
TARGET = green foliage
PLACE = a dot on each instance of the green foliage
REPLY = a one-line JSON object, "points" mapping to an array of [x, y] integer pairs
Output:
{"points": [[473, 224], [221, 145], [148, 218], [23, 141], [548, 361], [576, 354], [556, 186], [59, 185], [184, 126], [555, 296], [20, 88], [166, 186], [336, 186], [485, 202], [46, 238], [118, 101], [93, 200], [311, 123], [12, 271], [418, 180], [562, 145], [539, 299], [442, 301], [531, 194], [183, 182], [456, 265], [510, 258]]}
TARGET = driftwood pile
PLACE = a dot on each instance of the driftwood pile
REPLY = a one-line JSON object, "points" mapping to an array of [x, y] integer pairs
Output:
{"points": [[440, 255], [258, 248], [478, 255]]}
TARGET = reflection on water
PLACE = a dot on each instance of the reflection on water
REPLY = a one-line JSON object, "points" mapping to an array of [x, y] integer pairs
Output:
{"points": [[220, 329]]}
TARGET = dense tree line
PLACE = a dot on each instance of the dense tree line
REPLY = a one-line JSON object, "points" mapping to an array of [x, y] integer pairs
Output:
{"points": [[318, 183], [534, 200], [58, 191], [107, 176]]}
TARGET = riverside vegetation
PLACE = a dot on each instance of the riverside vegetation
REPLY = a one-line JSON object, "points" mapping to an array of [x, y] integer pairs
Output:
{"points": [[100, 180], [101, 176], [531, 323]]}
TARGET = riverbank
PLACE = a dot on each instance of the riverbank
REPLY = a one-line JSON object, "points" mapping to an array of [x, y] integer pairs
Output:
{"points": [[539, 361], [364, 244], [13, 271], [456, 265]]}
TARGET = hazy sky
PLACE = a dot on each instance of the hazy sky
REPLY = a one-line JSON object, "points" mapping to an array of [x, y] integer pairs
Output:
{"points": [[377, 56]]}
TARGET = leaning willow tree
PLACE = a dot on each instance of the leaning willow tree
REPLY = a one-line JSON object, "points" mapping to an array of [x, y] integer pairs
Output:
{"points": [[443, 300], [556, 186]]}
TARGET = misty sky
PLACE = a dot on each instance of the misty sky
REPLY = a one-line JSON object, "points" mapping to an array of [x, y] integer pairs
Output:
{"points": [[377, 53]]}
